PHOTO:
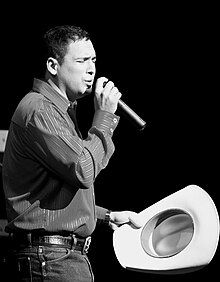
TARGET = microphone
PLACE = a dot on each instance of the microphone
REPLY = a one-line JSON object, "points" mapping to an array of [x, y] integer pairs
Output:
{"points": [[139, 122]]}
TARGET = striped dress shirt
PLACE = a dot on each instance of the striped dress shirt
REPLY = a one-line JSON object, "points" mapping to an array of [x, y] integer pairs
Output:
{"points": [[49, 170]]}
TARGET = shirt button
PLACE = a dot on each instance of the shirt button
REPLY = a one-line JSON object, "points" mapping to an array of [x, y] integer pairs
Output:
{"points": [[115, 120], [111, 130]]}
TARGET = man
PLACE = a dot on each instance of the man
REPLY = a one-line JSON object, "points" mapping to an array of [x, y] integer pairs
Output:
{"points": [[49, 170]]}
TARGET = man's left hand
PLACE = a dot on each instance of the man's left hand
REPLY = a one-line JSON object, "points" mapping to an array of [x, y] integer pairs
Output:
{"points": [[119, 218]]}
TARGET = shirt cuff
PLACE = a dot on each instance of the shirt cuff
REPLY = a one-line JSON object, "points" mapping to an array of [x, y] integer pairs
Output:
{"points": [[105, 121]]}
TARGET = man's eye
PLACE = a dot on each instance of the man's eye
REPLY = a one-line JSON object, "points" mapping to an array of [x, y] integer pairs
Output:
{"points": [[85, 60]]}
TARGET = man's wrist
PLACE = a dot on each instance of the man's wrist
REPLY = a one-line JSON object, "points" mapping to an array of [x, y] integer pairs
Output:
{"points": [[107, 219]]}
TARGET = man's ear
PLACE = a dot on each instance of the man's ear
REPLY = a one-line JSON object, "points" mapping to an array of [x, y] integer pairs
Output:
{"points": [[52, 65]]}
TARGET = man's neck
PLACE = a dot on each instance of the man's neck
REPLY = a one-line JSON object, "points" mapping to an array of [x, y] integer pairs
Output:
{"points": [[55, 87]]}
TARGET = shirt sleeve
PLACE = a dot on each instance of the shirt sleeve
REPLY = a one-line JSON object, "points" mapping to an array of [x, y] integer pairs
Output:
{"points": [[54, 143], [100, 213]]}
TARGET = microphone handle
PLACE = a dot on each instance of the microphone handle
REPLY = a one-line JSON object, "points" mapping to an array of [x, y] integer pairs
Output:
{"points": [[139, 122]]}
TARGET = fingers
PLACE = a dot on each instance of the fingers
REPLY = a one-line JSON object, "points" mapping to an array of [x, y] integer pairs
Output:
{"points": [[99, 85], [134, 219], [107, 95], [115, 93], [106, 87], [113, 226], [122, 217], [111, 91]]}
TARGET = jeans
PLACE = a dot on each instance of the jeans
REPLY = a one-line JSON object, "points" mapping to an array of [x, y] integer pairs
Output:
{"points": [[43, 263]]}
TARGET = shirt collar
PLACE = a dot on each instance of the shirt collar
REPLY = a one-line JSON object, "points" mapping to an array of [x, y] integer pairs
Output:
{"points": [[53, 93], [55, 87]]}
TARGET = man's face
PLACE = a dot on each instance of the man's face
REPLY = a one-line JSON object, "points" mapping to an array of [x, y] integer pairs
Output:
{"points": [[76, 73]]}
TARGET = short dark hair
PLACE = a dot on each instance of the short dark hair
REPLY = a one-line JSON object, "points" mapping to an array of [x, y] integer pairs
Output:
{"points": [[58, 38]]}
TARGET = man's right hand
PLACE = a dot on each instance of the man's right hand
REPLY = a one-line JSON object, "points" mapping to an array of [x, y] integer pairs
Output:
{"points": [[106, 95]]}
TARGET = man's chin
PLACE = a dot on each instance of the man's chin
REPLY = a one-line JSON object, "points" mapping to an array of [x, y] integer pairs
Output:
{"points": [[87, 92]]}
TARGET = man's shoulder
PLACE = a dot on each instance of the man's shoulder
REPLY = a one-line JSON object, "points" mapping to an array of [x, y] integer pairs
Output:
{"points": [[30, 105]]}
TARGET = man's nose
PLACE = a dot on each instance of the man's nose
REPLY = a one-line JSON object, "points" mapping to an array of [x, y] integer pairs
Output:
{"points": [[91, 67]]}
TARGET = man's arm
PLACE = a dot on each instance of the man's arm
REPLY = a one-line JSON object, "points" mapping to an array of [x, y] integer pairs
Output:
{"points": [[77, 161]]}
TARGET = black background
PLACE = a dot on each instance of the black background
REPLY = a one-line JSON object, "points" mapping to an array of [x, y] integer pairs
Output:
{"points": [[164, 61]]}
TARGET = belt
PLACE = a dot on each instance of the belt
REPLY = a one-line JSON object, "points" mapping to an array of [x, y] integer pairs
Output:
{"points": [[71, 242]]}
